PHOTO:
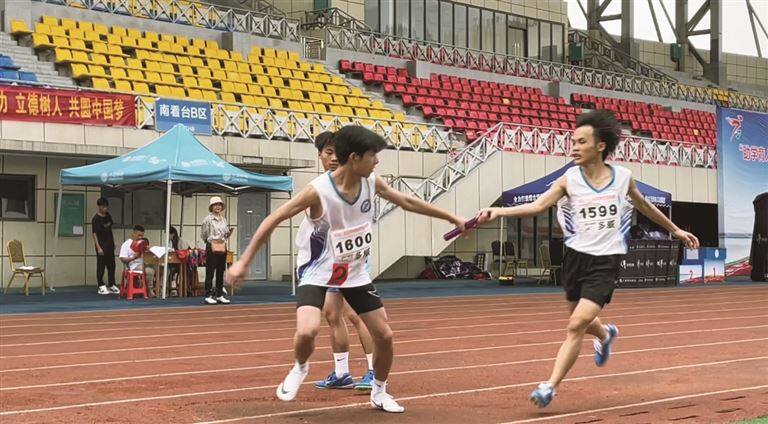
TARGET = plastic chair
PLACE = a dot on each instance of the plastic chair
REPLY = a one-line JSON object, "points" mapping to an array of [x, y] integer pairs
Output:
{"points": [[128, 286]]}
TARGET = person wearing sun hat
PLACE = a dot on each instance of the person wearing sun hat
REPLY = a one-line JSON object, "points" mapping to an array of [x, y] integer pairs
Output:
{"points": [[215, 231]]}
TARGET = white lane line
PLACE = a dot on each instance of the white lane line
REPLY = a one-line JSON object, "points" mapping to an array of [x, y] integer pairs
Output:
{"points": [[633, 405], [484, 389]]}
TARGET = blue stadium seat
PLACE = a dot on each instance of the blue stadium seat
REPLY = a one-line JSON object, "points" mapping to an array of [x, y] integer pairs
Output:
{"points": [[7, 63], [9, 74], [27, 76]]}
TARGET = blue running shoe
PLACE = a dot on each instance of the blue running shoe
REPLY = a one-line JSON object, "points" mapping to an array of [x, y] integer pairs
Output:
{"points": [[603, 348], [542, 395], [366, 383], [333, 382]]}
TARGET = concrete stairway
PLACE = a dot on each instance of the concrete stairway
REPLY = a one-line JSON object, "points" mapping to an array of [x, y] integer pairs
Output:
{"points": [[26, 58]]}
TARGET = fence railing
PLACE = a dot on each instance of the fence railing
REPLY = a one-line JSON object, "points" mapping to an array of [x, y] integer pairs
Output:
{"points": [[268, 22], [611, 53], [332, 16], [442, 54], [290, 125]]}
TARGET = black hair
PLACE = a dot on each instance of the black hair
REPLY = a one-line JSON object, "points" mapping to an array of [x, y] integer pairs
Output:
{"points": [[605, 128], [102, 201], [138, 228], [174, 242], [323, 139], [356, 139]]}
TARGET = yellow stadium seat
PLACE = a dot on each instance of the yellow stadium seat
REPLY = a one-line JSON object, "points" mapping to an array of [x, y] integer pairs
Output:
{"points": [[75, 44], [92, 37], [219, 74], [213, 63], [68, 23], [76, 33], [117, 61], [275, 103], [182, 41], [164, 46], [140, 87], [162, 90], [295, 84], [135, 33], [151, 36], [143, 55], [41, 28], [193, 51], [168, 79], [49, 20], [19, 28], [130, 42], [167, 68], [96, 70], [196, 62], [228, 97], [182, 60], [269, 91], [210, 53], [241, 88], [254, 89], [247, 99], [116, 50], [227, 86], [246, 78], [243, 67], [178, 92], [257, 69], [62, 55], [79, 71], [80, 57], [134, 63], [100, 84], [320, 108], [268, 52], [167, 57], [152, 77], [100, 48], [59, 42], [230, 66], [263, 80], [143, 43], [305, 66], [318, 67], [281, 54], [204, 72], [260, 101], [118, 73], [212, 44], [135, 75], [169, 38], [209, 96], [294, 56], [278, 82], [100, 29], [85, 26], [114, 40], [185, 70], [195, 94], [198, 43], [318, 86], [123, 86], [268, 61], [119, 31], [205, 83], [223, 55], [99, 59], [236, 56]]}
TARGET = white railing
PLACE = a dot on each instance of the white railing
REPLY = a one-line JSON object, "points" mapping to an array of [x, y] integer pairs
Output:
{"points": [[443, 54], [533, 140], [267, 21], [290, 125]]}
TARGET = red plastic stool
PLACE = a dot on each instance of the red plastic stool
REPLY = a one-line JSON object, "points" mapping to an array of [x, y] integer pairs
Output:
{"points": [[128, 287]]}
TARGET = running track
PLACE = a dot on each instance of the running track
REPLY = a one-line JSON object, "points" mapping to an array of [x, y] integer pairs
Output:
{"points": [[693, 355]]}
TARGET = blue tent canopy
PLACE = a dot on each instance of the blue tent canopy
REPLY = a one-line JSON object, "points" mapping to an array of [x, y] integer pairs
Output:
{"points": [[179, 157], [528, 193]]}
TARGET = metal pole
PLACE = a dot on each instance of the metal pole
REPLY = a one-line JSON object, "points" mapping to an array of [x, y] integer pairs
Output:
{"points": [[167, 233], [290, 251], [56, 233], [181, 219]]}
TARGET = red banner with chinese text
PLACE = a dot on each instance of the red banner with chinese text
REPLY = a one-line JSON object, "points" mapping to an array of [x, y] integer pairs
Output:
{"points": [[20, 103]]}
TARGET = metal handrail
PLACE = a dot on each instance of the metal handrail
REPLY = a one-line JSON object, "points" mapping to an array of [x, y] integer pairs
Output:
{"points": [[611, 53], [332, 16], [197, 14]]}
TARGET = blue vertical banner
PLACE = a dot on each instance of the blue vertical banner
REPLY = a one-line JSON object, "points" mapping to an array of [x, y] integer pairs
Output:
{"points": [[196, 116], [742, 174]]}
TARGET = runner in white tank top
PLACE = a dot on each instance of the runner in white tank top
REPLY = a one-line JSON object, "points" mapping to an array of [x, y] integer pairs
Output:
{"points": [[595, 203], [340, 207]]}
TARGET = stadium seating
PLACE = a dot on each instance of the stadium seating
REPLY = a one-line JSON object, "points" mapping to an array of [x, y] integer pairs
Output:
{"points": [[468, 105], [151, 64], [653, 120], [9, 71]]}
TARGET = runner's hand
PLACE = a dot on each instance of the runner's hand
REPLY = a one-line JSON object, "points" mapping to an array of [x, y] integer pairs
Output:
{"points": [[236, 274], [687, 238], [487, 214]]}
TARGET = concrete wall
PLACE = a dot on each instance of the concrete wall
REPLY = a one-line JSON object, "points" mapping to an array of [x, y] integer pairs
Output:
{"points": [[739, 68]]}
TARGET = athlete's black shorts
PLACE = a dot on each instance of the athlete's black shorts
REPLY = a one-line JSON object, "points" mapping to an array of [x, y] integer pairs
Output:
{"points": [[590, 277], [362, 299]]}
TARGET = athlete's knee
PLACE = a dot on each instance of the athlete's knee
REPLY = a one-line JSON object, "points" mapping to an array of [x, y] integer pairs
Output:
{"points": [[578, 325], [384, 336], [353, 319], [307, 333], [332, 316]]}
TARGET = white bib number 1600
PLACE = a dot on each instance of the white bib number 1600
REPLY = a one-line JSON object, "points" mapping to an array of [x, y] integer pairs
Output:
{"points": [[349, 245], [352, 244]]}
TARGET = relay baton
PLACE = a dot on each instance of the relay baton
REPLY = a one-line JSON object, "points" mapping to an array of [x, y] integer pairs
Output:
{"points": [[472, 223]]}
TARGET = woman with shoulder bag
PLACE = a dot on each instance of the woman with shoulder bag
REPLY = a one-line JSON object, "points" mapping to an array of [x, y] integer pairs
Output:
{"points": [[215, 231]]}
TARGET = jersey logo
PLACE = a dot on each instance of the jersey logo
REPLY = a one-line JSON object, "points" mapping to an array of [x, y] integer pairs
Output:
{"points": [[366, 206], [339, 274]]}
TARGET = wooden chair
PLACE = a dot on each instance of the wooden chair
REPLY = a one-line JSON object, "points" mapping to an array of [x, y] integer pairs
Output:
{"points": [[19, 267], [546, 265]]}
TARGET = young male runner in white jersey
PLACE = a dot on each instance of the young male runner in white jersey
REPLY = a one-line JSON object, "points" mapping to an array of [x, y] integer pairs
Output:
{"points": [[595, 202], [337, 253], [335, 309]]}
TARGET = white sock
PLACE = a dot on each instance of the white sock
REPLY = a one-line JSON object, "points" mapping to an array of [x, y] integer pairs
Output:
{"points": [[379, 386], [302, 368], [369, 357], [341, 362]]}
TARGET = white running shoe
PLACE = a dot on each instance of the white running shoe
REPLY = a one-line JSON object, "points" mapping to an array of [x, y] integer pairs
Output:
{"points": [[385, 402], [289, 388], [114, 289], [210, 300], [222, 299], [103, 290]]}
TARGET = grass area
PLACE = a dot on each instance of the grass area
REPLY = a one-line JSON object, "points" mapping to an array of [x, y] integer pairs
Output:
{"points": [[759, 420]]}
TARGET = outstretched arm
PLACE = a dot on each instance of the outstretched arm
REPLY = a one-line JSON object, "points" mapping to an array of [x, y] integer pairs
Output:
{"points": [[416, 205], [307, 198], [549, 198], [654, 214]]}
